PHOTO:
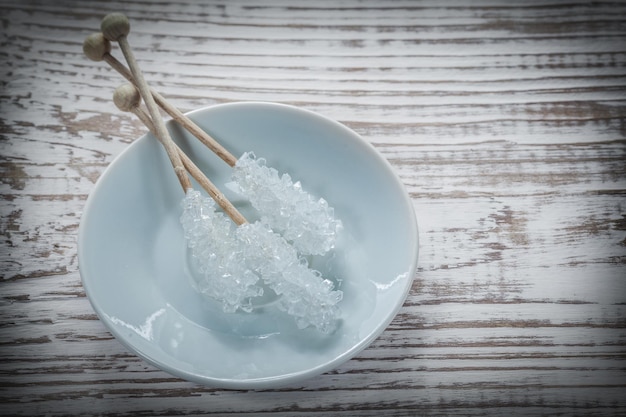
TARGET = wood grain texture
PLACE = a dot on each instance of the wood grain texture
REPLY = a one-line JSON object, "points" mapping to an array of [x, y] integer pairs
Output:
{"points": [[504, 120]]}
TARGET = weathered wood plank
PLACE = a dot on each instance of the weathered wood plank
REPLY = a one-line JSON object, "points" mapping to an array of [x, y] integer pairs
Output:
{"points": [[504, 121]]}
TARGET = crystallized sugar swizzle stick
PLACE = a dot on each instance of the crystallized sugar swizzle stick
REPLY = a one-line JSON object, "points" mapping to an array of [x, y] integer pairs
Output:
{"points": [[231, 261], [307, 222]]}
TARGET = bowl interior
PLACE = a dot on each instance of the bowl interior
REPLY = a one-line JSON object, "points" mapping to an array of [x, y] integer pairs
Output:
{"points": [[139, 277]]}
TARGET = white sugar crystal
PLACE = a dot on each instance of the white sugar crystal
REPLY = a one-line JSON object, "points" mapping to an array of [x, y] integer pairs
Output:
{"points": [[214, 245], [303, 292], [308, 223], [231, 260]]}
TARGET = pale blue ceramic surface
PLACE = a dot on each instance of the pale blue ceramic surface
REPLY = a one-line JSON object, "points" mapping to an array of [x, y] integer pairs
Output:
{"points": [[137, 274]]}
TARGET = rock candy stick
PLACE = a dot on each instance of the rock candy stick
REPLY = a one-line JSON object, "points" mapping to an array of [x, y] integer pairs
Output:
{"points": [[230, 260]]}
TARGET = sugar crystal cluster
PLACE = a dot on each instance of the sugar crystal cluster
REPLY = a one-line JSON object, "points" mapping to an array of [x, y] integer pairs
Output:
{"points": [[235, 261], [309, 224], [305, 294], [218, 253]]}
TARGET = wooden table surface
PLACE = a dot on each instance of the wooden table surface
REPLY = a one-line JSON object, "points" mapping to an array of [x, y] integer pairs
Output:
{"points": [[506, 122]]}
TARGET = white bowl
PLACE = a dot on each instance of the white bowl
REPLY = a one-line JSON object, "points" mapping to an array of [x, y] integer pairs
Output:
{"points": [[138, 275]]}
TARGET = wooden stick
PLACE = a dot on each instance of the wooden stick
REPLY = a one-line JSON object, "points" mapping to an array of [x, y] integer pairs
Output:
{"points": [[97, 48], [127, 98], [115, 27]]}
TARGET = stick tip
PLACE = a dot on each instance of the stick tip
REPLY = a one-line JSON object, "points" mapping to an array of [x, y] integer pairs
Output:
{"points": [[96, 46], [126, 97], [114, 26]]}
